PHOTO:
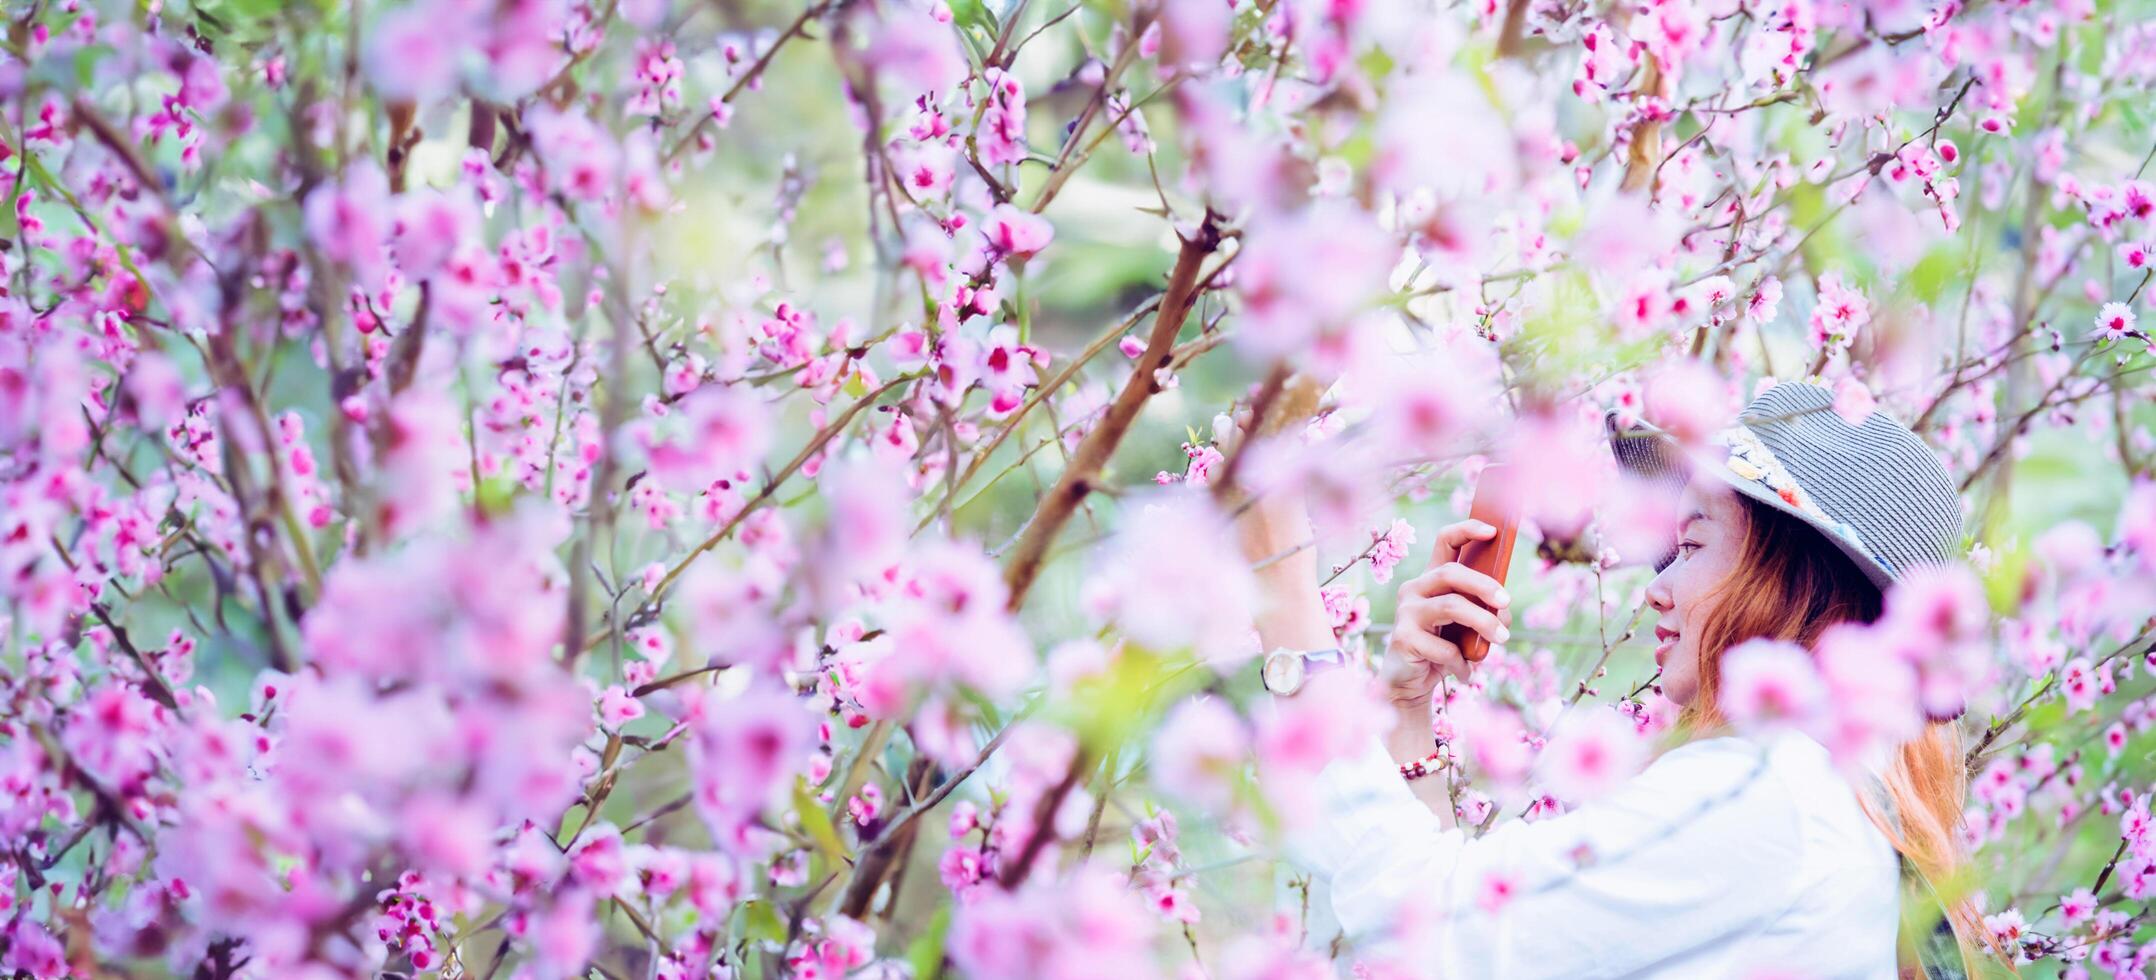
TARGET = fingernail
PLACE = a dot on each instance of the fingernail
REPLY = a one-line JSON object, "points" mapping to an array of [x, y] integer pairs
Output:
{"points": [[1504, 598], [1503, 634]]}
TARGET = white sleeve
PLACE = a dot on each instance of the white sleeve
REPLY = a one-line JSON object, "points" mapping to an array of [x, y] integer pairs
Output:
{"points": [[1701, 845]]}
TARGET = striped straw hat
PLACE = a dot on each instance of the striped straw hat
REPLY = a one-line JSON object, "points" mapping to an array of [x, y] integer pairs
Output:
{"points": [[1875, 490]]}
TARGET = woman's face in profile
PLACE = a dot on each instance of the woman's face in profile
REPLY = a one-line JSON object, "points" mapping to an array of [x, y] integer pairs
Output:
{"points": [[1708, 543]]}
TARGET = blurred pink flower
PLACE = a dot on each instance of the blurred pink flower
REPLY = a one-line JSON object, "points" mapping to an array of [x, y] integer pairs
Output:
{"points": [[743, 754], [1199, 751], [912, 51], [114, 735], [1853, 401], [599, 861], [1874, 695], [1624, 234], [1194, 32], [424, 456], [1560, 467], [865, 530], [348, 224], [1327, 719], [563, 934], [582, 160], [1688, 398], [431, 226], [1591, 751], [1769, 684], [35, 952], [2137, 522], [1175, 585], [1308, 272], [949, 631], [617, 708], [1427, 402], [1493, 742], [445, 836], [718, 431], [1085, 926]]}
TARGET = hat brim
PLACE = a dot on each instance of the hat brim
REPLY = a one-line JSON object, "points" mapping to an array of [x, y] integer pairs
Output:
{"points": [[1666, 466]]}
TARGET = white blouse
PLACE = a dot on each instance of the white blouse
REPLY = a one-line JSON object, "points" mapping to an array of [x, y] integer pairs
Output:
{"points": [[1724, 857]]}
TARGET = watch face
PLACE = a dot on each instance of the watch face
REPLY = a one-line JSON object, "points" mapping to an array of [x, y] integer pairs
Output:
{"points": [[1283, 673]]}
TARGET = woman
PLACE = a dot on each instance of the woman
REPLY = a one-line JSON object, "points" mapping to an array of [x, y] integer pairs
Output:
{"points": [[1728, 856]]}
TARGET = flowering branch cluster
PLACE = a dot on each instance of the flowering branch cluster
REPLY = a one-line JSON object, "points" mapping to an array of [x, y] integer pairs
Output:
{"points": [[552, 488]]}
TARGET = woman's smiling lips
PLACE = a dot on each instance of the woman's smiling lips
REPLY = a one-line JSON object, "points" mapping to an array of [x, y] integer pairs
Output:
{"points": [[1668, 638]]}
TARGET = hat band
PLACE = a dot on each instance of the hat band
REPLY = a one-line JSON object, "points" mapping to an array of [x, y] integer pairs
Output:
{"points": [[1750, 459]]}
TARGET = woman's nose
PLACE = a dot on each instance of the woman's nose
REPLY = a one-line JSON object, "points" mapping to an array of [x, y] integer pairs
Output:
{"points": [[1658, 594]]}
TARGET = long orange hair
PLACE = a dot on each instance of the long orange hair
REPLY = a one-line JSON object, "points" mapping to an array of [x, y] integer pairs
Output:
{"points": [[1790, 585]]}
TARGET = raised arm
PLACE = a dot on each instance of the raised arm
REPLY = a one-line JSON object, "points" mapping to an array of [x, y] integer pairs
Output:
{"points": [[1275, 533]]}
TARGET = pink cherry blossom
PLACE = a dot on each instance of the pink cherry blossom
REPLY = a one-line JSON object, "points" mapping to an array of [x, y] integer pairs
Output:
{"points": [[1010, 231], [1387, 548], [1841, 312], [2114, 321]]}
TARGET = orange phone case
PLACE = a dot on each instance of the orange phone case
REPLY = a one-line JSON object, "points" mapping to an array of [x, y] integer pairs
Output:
{"points": [[1491, 556]]}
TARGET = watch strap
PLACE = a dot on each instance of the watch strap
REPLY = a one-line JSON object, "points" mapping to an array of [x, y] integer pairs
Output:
{"points": [[1324, 658]]}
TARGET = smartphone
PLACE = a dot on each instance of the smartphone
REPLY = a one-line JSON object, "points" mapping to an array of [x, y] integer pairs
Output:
{"points": [[1494, 505]]}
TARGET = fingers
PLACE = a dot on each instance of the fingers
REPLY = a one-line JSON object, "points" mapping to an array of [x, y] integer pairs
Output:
{"points": [[1452, 537], [1428, 614], [1425, 647], [1455, 577], [1237, 430]]}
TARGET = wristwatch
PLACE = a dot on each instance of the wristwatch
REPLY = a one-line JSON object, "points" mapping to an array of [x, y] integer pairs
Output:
{"points": [[1286, 669]]}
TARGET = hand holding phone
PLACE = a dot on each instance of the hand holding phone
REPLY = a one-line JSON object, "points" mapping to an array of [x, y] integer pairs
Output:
{"points": [[1490, 556], [1448, 616]]}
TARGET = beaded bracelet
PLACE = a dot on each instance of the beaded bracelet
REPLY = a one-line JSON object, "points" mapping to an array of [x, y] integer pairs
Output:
{"points": [[1424, 766]]}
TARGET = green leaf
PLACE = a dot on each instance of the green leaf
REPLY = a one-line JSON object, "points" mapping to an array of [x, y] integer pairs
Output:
{"points": [[496, 494], [1123, 703], [760, 922], [818, 823], [973, 14], [925, 953], [2002, 584], [1934, 272]]}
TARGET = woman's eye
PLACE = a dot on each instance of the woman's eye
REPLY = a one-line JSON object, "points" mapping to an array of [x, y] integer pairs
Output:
{"points": [[1682, 545]]}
